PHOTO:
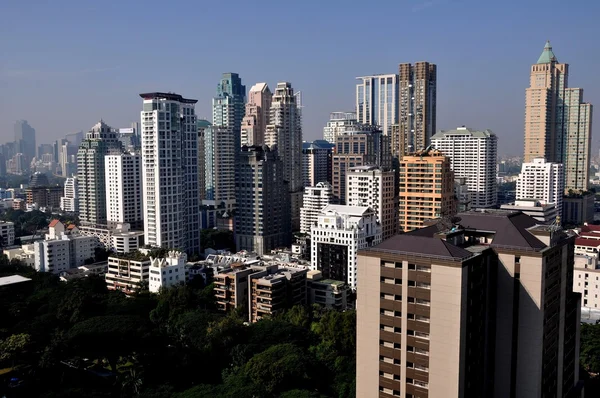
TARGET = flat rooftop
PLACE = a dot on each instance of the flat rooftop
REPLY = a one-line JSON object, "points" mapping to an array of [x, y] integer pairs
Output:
{"points": [[13, 279]]}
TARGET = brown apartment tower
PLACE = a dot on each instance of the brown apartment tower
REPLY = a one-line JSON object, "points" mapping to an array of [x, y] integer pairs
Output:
{"points": [[483, 307]]}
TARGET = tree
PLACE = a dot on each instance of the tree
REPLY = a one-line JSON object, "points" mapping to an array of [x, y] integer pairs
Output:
{"points": [[13, 346]]}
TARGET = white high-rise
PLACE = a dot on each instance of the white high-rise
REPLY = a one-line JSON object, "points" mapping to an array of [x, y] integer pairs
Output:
{"points": [[170, 172], [70, 201], [285, 131], [124, 202], [373, 187], [543, 181], [315, 199], [473, 155], [377, 101], [339, 122]]}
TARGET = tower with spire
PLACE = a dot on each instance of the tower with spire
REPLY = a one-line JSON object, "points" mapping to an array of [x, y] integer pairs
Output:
{"points": [[557, 121]]}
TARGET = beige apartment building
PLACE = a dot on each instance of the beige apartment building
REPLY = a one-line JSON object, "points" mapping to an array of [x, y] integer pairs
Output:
{"points": [[426, 189], [484, 308]]}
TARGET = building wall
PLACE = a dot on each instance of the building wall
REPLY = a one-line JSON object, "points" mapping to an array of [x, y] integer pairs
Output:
{"points": [[543, 181], [124, 199]]}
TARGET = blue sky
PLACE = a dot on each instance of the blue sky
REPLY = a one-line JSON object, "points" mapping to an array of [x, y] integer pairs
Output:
{"points": [[65, 64]]}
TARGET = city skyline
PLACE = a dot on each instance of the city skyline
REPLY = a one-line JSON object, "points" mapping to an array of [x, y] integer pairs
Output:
{"points": [[325, 75]]}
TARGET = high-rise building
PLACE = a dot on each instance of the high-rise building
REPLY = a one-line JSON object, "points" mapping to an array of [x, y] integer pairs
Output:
{"points": [[315, 199], [170, 172], [203, 125], [543, 181], [285, 131], [99, 142], [482, 308], [262, 222], [336, 238], [338, 123], [70, 201], [256, 118], [558, 124], [426, 189], [373, 187], [124, 200], [130, 137], [417, 108], [219, 167], [363, 146], [473, 155], [228, 105], [316, 162], [25, 140], [377, 101]]}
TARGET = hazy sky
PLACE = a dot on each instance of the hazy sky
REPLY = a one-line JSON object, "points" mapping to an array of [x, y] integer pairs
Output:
{"points": [[65, 64]]}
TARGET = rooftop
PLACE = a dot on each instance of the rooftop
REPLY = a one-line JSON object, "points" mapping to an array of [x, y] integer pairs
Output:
{"points": [[13, 279], [346, 210], [464, 131], [167, 96], [547, 55], [419, 245]]}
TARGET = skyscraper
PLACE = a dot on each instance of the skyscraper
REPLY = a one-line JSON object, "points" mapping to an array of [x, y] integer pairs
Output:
{"points": [[70, 201], [558, 124], [377, 101], [426, 189], [202, 125], [99, 142], [417, 108], [473, 155], [316, 162], [285, 131], [124, 200], [228, 105], [220, 165], [25, 140], [315, 199], [256, 118], [338, 123], [262, 222], [170, 172]]}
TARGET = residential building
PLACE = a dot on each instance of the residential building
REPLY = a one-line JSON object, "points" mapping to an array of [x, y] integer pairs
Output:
{"points": [[315, 199], [285, 131], [316, 163], [328, 293], [228, 106], [220, 162], [484, 308], [461, 193], [426, 189], [124, 201], [340, 232], [473, 155], [70, 201], [231, 285], [262, 222], [543, 181], [542, 213], [25, 140], [558, 124], [338, 123], [170, 172], [257, 115], [275, 290], [127, 272], [167, 272], [7, 233], [203, 125], [44, 197], [99, 141], [377, 101], [416, 108], [578, 208], [124, 240], [586, 279], [363, 146], [373, 187]]}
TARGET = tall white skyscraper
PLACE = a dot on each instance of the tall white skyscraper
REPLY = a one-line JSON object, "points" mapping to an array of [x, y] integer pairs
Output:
{"points": [[315, 199], [285, 131], [543, 181], [377, 101], [338, 123], [473, 155], [124, 201], [170, 172], [70, 201]]}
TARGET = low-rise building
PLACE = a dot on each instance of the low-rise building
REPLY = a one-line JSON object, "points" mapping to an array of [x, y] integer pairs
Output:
{"points": [[586, 280], [326, 292], [544, 213], [274, 290], [168, 271], [84, 271], [231, 285], [127, 272], [7, 233]]}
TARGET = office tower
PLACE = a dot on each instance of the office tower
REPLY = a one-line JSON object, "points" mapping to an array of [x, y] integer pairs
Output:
{"points": [[124, 200], [558, 124], [482, 308], [75, 138], [315, 199], [25, 140], [70, 201], [338, 123], [377, 101], [426, 189], [130, 137], [417, 108], [340, 232], [202, 126], [371, 186], [44, 149], [219, 167], [285, 131], [543, 181], [257, 115], [99, 142], [316, 162], [67, 157], [473, 155], [16, 164], [262, 222], [170, 172], [363, 146], [228, 105]]}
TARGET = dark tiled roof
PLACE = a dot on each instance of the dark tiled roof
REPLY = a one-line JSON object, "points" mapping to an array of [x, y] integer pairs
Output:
{"points": [[428, 231], [587, 242], [412, 244]]}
